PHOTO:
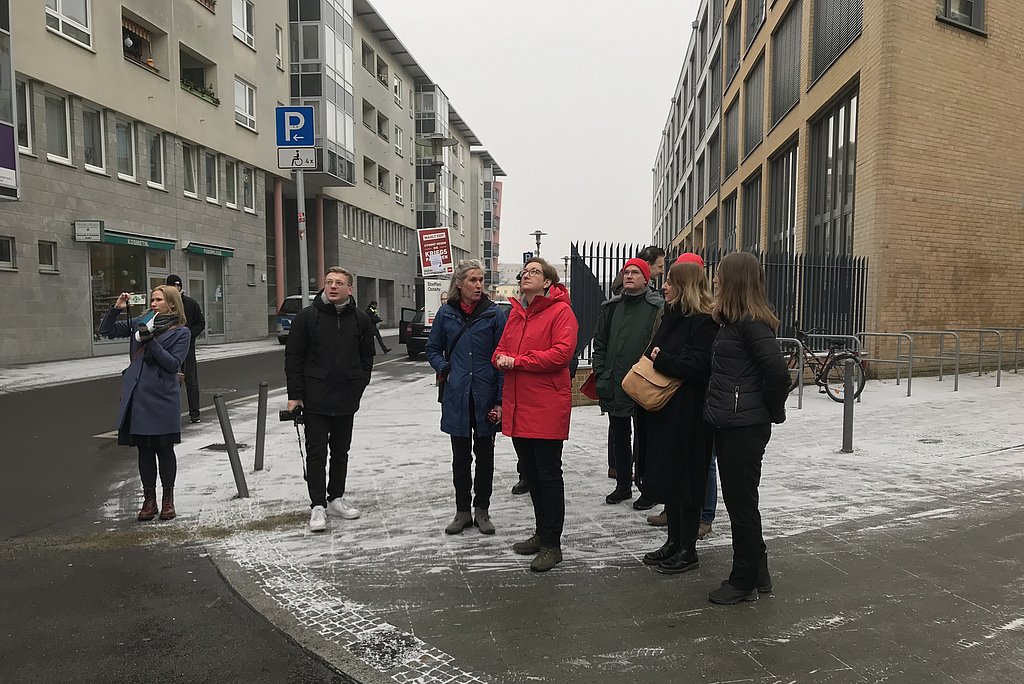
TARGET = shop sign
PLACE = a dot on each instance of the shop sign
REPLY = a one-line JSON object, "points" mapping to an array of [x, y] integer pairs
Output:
{"points": [[209, 250], [113, 238], [88, 231]]}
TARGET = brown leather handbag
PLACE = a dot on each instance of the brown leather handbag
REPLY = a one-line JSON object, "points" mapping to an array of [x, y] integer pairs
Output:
{"points": [[649, 388]]}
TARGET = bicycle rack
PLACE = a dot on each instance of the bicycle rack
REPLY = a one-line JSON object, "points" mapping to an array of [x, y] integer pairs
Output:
{"points": [[800, 370], [851, 338], [982, 352], [1017, 348], [899, 354], [942, 358]]}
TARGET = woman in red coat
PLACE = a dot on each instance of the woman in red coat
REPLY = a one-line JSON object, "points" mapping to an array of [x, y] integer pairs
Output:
{"points": [[534, 352]]}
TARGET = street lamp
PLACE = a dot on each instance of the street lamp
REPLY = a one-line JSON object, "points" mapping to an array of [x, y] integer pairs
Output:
{"points": [[537, 234], [566, 270]]}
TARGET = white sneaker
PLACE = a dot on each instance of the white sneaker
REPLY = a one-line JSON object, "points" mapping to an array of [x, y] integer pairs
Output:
{"points": [[318, 519], [341, 509]]}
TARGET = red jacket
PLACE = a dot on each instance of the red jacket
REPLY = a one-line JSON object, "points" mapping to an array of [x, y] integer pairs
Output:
{"points": [[537, 396]]}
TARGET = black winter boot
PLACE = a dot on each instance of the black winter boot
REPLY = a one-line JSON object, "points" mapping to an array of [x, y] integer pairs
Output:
{"points": [[675, 535], [685, 559]]}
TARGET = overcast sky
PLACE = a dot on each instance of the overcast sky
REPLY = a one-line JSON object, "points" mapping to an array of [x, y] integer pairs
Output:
{"points": [[569, 96]]}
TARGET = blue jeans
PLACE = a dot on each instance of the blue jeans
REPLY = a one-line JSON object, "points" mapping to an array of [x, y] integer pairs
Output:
{"points": [[711, 496]]}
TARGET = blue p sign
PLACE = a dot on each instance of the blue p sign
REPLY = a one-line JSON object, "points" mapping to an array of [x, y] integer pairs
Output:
{"points": [[294, 126]]}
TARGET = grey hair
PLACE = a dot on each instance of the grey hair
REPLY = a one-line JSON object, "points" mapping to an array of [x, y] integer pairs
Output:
{"points": [[461, 272]]}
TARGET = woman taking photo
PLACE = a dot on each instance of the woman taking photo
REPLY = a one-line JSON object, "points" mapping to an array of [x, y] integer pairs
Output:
{"points": [[462, 339], [534, 352], [149, 416], [746, 394], [678, 451]]}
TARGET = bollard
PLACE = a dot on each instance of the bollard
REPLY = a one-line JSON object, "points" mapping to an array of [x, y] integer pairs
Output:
{"points": [[229, 442], [261, 426], [848, 392]]}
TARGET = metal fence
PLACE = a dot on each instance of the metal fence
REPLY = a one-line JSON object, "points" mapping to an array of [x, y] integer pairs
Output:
{"points": [[807, 291]]}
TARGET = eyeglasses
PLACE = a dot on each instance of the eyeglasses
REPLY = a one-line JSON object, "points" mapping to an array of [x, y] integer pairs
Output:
{"points": [[529, 271]]}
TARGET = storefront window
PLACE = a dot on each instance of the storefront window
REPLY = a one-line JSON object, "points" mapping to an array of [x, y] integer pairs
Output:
{"points": [[206, 286], [115, 269]]}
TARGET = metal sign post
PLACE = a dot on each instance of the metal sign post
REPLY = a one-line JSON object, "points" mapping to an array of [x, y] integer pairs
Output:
{"points": [[295, 138]]}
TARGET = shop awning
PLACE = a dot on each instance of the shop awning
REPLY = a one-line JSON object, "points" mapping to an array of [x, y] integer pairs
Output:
{"points": [[209, 250], [114, 237]]}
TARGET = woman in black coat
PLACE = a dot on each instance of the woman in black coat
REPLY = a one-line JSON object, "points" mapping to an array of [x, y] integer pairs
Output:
{"points": [[746, 393], [675, 467]]}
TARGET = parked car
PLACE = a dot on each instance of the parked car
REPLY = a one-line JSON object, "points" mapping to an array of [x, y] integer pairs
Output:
{"points": [[413, 332], [291, 306]]}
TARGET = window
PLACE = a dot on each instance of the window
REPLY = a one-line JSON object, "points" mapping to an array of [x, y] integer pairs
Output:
{"points": [[383, 179], [369, 58], [279, 47], [837, 23], [716, 85], [212, 177], [399, 185], [125, 132], [383, 126], [456, 224], [70, 18], [786, 63], [250, 275], [248, 191], [7, 252], [714, 155], [462, 190], [831, 179], [398, 141], [732, 45], [243, 22], [230, 184], [711, 231], [24, 117], [92, 137], [382, 72], [753, 108], [156, 158], [752, 213], [755, 17], [47, 256], [732, 139], [245, 104], [729, 223], [782, 201], [58, 128], [397, 89], [188, 154], [962, 12]]}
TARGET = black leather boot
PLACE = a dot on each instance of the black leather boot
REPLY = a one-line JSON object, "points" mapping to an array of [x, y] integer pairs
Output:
{"points": [[685, 559], [675, 535]]}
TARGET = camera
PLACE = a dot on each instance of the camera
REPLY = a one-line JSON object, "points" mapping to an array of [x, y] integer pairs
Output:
{"points": [[137, 299], [294, 416]]}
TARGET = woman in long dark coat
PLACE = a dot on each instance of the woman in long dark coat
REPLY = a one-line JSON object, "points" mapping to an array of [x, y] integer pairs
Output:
{"points": [[675, 467], [149, 417]]}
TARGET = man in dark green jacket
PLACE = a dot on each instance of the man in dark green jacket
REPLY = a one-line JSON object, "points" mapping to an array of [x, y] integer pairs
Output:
{"points": [[624, 330]]}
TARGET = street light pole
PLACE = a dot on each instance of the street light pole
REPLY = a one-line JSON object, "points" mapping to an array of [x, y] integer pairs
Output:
{"points": [[566, 270], [537, 234]]}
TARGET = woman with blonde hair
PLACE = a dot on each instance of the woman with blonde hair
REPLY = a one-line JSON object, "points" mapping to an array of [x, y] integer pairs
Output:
{"points": [[149, 417], [462, 339], [746, 394], [675, 466]]}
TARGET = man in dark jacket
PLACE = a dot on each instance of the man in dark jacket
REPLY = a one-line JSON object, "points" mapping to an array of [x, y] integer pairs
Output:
{"points": [[327, 363], [624, 330], [376, 320], [196, 323]]}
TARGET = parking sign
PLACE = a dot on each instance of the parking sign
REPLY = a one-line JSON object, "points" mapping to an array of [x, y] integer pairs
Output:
{"points": [[294, 126]]}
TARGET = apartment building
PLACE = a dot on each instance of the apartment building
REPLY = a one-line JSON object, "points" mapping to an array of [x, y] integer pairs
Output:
{"points": [[872, 128], [139, 126], [487, 208]]}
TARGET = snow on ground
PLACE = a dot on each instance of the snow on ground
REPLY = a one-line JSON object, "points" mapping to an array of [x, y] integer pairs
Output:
{"points": [[908, 451]]}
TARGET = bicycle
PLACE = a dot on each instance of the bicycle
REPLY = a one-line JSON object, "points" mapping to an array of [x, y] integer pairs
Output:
{"points": [[829, 372]]}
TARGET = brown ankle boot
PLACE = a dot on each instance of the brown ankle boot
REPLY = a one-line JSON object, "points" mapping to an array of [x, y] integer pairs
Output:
{"points": [[148, 510], [167, 509]]}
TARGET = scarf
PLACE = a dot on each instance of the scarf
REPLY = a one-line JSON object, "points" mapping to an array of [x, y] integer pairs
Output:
{"points": [[161, 323]]}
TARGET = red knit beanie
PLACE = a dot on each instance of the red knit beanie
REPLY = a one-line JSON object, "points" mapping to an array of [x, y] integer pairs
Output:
{"points": [[690, 258], [644, 267]]}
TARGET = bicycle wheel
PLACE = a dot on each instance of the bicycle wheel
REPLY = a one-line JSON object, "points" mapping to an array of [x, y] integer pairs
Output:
{"points": [[795, 365], [834, 377]]}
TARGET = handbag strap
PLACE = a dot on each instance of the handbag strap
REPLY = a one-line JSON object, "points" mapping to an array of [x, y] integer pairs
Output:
{"points": [[458, 336]]}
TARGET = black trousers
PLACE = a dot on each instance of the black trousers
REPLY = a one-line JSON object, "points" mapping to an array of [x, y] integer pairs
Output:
{"points": [[740, 451], [191, 369], [470, 491], [323, 432], [148, 457], [541, 462], [620, 433], [376, 333]]}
